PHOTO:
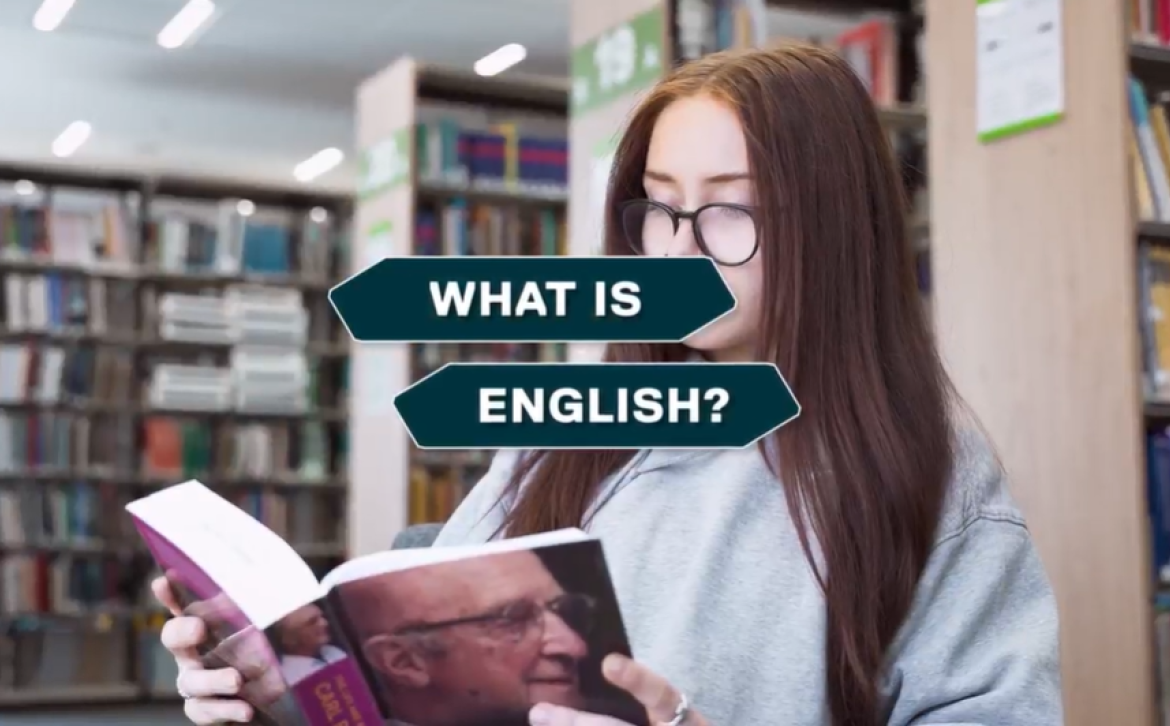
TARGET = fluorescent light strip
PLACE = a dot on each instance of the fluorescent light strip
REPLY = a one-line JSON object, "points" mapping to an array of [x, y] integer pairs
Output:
{"points": [[182, 27], [501, 59], [318, 164], [24, 188], [50, 14], [71, 139]]}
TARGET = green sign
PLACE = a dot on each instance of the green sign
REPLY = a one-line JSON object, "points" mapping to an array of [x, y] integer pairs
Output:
{"points": [[385, 164], [625, 58]]}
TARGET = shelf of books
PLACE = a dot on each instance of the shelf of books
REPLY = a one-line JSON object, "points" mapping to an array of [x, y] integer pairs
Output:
{"points": [[152, 331], [1149, 156], [457, 164]]}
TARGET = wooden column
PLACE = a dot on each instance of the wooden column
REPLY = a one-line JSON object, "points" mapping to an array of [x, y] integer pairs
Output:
{"points": [[1033, 247], [379, 458], [595, 127]]}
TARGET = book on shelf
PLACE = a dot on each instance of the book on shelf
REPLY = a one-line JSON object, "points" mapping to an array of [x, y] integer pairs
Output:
{"points": [[1153, 309], [459, 228], [355, 644], [1149, 153], [494, 157], [1150, 21], [225, 242]]}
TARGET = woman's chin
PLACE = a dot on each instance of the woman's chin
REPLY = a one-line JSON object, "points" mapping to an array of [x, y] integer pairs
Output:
{"points": [[711, 346]]}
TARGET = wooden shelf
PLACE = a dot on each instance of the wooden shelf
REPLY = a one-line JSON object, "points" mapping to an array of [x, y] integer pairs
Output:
{"points": [[48, 475], [1150, 64], [114, 339], [112, 693], [515, 91], [171, 185], [430, 190], [845, 6], [1157, 411], [905, 117], [1154, 231]]}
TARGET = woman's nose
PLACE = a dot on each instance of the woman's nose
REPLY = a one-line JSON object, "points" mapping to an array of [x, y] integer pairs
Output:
{"points": [[684, 244]]}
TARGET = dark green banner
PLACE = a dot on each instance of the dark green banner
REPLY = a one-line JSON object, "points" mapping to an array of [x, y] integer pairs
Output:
{"points": [[596, 405], [532, 299]]}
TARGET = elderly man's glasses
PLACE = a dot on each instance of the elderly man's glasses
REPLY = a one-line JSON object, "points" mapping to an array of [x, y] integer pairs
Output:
{"points": [[516, 618], [724, 232]]}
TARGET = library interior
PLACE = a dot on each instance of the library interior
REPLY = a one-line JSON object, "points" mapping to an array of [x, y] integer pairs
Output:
{"points": [[218, 166]]}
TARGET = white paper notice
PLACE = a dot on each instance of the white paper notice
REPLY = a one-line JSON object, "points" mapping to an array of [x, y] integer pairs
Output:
{"points": [[374, 365], [374, 362], [379, 245], [1020, 66]]}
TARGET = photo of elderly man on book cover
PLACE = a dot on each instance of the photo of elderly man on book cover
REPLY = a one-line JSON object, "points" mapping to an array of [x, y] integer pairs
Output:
{"points": [[479, 641]]}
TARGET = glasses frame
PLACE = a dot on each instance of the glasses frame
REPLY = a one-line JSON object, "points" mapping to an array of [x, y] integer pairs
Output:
{"points": [[554, 606], [677, 216]]}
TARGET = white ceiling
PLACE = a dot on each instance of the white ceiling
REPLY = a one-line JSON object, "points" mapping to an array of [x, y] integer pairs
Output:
{"points": [[267, 84]]}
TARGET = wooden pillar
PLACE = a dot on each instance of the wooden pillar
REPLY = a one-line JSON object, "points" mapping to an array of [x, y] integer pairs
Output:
{"points": [[620, 48], [379, 459], [1033, 250]]}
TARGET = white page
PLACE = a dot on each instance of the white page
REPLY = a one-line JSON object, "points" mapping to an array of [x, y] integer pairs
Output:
{"points": [[254, 567]]}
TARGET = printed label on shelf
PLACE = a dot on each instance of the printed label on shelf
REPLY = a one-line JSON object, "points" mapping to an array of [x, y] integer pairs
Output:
{"points": [[1019, 66]]}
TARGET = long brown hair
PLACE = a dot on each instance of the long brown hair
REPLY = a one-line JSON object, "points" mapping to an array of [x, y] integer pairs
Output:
{"points": [[864, 468]]}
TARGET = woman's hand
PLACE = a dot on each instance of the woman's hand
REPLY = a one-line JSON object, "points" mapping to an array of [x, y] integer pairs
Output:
{"points": [[206, 689], [651, 690]]}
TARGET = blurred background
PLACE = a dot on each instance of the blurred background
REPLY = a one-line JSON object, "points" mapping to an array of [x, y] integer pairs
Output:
{"points": [[182, 181]]}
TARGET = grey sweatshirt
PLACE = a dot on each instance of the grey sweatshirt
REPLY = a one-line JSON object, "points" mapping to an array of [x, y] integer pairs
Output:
{"points": [[718, 598]]}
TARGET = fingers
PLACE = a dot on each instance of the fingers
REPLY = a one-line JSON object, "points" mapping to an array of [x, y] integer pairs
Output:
{"points": [[161, 588], [204, 712], [209, 684], [545, 714], [650, 689], [182, 636]]}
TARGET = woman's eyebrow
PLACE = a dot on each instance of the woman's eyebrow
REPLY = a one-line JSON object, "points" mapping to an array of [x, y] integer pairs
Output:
{"points": [[724, 178]]}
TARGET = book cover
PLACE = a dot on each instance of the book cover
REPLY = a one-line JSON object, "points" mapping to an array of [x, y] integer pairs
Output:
{"points": [[455, 636]]}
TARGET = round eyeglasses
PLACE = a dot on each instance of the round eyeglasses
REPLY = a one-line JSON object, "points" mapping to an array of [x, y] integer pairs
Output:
{"points": [[515, 619], [724, 232]]}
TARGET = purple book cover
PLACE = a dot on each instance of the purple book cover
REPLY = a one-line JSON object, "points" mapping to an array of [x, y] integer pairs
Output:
{"points": [[297, 672]]}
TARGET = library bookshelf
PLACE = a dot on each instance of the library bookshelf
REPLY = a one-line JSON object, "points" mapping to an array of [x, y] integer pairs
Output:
{"points": [[121, 371], [454, 164]]}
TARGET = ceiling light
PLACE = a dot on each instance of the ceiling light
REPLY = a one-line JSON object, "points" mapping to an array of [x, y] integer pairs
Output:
{"points": [[50, 14], [24, 188], [500, 60], [71, 139], [318, 214], [318, 164], [188, 20], [245, 207]]}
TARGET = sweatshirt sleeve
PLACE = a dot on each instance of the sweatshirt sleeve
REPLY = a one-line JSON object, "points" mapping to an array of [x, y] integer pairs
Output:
{"points": [[481, 512], [981, 645]]}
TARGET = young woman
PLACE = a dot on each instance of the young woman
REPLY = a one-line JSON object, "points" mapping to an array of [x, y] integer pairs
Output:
{"points": [[864, 565]]}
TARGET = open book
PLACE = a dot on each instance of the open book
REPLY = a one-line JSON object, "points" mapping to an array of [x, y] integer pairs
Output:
{"points": [[452, 636]]}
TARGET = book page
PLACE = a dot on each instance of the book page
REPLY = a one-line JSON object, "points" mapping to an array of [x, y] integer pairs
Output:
{"points": [[219, 542]]}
